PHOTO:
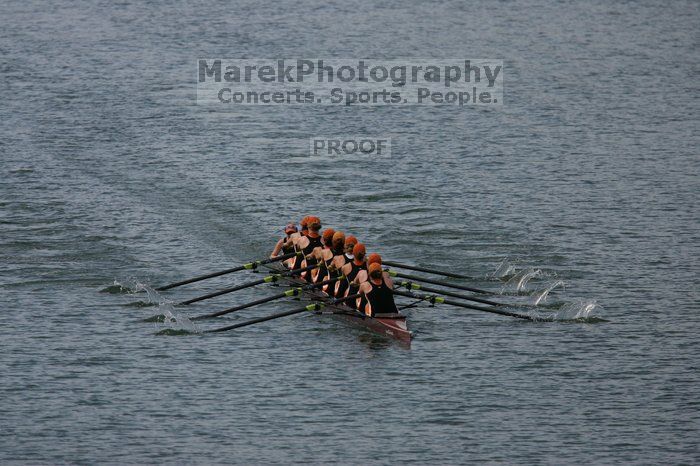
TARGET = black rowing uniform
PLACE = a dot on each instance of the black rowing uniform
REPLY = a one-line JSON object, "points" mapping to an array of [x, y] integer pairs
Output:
{"points": [[327, 273], [381, 298], [324, 272], [344, 284], [287, 249], [313, 244]]}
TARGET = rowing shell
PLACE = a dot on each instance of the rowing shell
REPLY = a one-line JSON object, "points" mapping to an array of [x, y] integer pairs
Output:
{"points": [[389, 325]]}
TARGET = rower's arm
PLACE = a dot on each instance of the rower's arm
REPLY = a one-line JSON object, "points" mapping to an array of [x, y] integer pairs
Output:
{"points": [[364, 289], [345, 270], [388, 281], [277, 249], [360, 278]]}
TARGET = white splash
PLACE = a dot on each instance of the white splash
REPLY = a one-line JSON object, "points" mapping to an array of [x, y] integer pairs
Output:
{"points": [[542, 295], [580, 309], [519, 281], [175, 321], [505, 269]]}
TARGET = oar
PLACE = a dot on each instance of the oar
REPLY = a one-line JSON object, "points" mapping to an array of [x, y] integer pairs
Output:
{"points": [[268, 279], [310, 307], [426, 270], [248, 266], [416, 286], [433, 299], [393, 273], [286, 294]]}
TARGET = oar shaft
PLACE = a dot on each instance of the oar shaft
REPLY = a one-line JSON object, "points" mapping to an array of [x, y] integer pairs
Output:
{"points": [[248, 266], [288, 293], [425, 269], [310, 307], [438, 300], [268, 279], [394, 273], [242, 286], [415, 286]]}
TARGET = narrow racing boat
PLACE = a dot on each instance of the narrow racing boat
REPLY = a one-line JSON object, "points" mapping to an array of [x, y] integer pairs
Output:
{"points": [[391, 325]]}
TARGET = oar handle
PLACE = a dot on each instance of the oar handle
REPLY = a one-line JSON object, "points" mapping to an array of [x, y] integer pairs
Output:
{"points": [[323, 283]]}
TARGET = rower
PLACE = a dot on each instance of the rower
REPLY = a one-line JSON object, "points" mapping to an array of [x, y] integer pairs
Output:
{"points": [[378, 293], [324, 254], [363, 275], [282, 245], [345, 287], [310, 244], [334, 260], [295, 262], [350, 243]]}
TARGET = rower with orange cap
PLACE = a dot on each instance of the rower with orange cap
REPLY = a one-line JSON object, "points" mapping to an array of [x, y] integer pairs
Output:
{"points": [[333, 260], [294, 238], [350, 242], [377, 292], [345, 287], [282, 246], [323, 254], [310, 244], [363, 275]]}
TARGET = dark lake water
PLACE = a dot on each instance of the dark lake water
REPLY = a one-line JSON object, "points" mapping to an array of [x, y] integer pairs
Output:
{"points": [[584, 182]]}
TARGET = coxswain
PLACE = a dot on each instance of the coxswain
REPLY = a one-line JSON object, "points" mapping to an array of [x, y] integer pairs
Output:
{"points": [[378, 292], [345, 287], [282, 246]]}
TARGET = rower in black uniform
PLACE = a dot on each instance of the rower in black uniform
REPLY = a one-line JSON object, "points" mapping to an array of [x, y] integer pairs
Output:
{"points": [[378, 292], [345, 287], [284, 246]]}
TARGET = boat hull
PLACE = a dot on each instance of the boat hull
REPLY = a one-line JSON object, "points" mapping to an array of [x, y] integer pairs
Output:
{"points": [[388, 325]]}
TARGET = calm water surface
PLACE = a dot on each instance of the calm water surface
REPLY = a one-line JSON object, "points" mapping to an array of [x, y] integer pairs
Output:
{"points": [[585, 182]]}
